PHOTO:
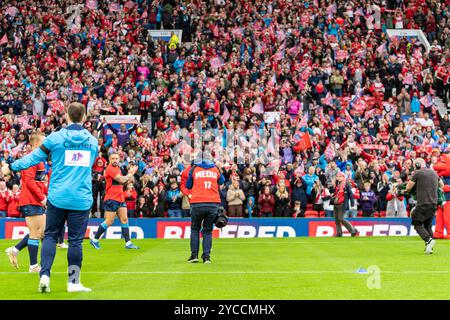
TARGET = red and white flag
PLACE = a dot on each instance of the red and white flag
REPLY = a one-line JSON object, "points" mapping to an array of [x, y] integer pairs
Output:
{"points": [[257, 108], [329, 152], [85, 51], [4, 40], [114, 7], [52, 95], [195, 106], [91, 4], [226, 114], [62, 63], [216, 62]]}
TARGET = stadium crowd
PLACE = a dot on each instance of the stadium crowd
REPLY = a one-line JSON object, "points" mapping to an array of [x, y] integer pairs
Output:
{"points": [[349, 98]]}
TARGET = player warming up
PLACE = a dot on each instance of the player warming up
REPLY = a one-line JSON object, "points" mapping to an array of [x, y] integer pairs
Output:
{"points": [[115, 201], [32, 202]]}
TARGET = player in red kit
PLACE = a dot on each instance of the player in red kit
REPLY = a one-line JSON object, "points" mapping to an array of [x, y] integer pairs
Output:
{"points": [[115, 201], [32, 201]]}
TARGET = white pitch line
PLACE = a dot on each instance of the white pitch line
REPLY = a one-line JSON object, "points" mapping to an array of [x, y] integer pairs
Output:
{"points": [[239, 272]]}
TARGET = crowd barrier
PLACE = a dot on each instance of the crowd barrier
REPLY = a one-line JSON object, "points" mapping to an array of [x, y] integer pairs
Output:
{"points": [[172, 228]]}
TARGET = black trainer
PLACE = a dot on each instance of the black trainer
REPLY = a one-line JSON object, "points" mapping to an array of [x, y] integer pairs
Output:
{"points": [[354, 233], [206, 260], [193, 259]]}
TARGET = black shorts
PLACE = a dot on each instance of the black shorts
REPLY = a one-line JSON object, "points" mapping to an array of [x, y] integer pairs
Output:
{"points": [[113, 205], [32, 210], [423, 212]]}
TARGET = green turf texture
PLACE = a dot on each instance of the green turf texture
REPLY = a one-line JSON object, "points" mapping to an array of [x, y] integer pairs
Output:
{"points": [[280, 269]]}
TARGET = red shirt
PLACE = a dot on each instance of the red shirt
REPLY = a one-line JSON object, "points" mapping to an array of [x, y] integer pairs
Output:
{"points": [[34, 186], [114, 190]]}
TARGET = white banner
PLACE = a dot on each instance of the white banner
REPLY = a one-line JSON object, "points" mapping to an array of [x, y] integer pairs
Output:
{"points": [[409, 33], [122, 119], [165, 34], [271, 117]]}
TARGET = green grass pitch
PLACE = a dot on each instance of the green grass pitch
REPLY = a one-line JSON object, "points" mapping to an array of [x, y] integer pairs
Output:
{"points": [[281, 269]]}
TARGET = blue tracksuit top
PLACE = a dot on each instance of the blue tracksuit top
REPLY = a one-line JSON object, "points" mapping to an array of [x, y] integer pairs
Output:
{"points": [[73, 151]]}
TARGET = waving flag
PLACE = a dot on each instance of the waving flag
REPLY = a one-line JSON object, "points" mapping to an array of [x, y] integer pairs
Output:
{"points": [[85, 51], [12, 11], [257, 108], [382, 49], [426, 100], [329, 152], [91, 4], [304, 121], [216, 62], [52, 95], [4, 40], [62, 63], [226, 114], [304, 143], [195, 106], [114, 7]]}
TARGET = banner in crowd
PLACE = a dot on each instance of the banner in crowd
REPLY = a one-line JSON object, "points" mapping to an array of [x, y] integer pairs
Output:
{"points": [[271, 117], [172, 228], [410, 34], [381, 147], [122, 119], [115, 122], [165, 35]]}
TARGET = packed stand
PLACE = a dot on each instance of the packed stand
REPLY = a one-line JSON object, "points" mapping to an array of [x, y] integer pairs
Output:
{"points": [[365, 101]]}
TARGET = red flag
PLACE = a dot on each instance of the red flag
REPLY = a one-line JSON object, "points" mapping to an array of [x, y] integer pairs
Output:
{"points": [[54, 28], [304, 143], [4, 40]]}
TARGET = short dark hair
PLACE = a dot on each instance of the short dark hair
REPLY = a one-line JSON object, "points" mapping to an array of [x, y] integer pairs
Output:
{"points": [[76, 112]]}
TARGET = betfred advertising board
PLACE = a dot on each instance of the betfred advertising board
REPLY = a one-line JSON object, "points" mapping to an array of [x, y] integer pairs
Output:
{"points": [[147, 228]]}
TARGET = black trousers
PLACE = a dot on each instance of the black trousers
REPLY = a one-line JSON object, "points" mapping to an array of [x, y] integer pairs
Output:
{"points": [[422, 220], [339, 220]]}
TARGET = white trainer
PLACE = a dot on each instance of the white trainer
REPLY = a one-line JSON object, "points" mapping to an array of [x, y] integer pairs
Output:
{"points": [[12, 255], [35, 268], [429, 247], [44, 284], [62, 245], [77, 287]]}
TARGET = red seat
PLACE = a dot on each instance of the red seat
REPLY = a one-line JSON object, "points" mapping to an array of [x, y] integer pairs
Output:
{"points": [[382, 214], [321, 214], [311, 214], [360, 214]]}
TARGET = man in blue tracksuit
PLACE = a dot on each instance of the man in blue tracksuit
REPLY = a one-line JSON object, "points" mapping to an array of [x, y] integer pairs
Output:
{"points": [[73, 150]]}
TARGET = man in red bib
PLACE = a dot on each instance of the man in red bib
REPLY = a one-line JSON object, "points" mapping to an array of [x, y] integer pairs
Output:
{"points": [[203, 181]]}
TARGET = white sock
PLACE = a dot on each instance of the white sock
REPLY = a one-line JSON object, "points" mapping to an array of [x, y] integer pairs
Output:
{"points": [[95, 240], [15, 251], [34, 265], [128, 243]]}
